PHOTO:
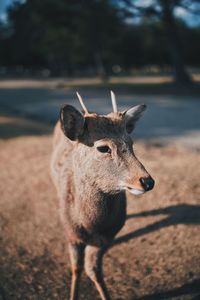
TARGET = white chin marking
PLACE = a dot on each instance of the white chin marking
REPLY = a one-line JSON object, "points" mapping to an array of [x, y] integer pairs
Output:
{"points": [[135, 191]]}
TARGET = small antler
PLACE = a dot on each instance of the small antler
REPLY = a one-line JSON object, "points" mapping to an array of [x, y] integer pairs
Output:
{"points": [[114, 102], [82, 103]]}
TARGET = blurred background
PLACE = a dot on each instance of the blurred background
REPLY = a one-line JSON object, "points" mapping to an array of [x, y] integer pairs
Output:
{"points": [[100, 38], [146, 51]]}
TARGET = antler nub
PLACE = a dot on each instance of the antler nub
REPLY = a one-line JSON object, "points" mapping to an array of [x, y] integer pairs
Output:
{"points": [[114, 102], [82, 103]]}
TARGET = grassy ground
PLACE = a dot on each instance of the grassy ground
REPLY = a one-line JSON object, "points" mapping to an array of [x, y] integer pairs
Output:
{"points": [[156, 255]]}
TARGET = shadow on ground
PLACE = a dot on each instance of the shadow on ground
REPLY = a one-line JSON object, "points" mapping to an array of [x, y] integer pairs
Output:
{"points": [[46, 276], [186, 289], [158, 260], [11, 127], [177, 214]]}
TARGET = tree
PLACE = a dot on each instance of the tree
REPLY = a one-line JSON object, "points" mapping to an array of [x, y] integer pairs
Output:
{"points": [[94, 35], [164, 10], [64, 34]]}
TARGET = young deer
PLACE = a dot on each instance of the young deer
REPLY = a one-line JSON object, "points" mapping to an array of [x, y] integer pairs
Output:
{"points": [[92, 166]]}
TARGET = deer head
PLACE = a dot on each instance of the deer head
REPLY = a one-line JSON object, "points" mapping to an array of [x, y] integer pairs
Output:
{"points": [[103, 148]]}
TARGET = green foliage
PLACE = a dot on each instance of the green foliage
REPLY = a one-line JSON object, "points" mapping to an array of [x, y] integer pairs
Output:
{"points": [[68, 35]]}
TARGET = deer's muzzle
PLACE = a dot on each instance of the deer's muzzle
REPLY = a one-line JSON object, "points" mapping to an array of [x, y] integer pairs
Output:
{"points": [[140, 186]]}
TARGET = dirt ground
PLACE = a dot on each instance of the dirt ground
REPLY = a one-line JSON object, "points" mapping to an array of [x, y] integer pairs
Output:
{"points": [[155, 256]]}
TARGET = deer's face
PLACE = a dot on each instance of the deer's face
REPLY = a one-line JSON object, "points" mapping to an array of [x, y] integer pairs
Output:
{"points": [[103, 149]]}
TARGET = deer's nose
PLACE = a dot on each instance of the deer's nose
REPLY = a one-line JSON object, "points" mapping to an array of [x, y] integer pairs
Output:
{"points": [[147, 183]]}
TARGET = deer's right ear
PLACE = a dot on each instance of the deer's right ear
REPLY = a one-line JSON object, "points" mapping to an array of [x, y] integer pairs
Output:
{"points": [[72, 122], [132, 115]]}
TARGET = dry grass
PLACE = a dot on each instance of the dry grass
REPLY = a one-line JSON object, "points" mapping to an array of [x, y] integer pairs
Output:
{"points": [[158, 250]]}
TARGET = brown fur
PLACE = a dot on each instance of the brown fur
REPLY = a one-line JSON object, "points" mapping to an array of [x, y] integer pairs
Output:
{"points": [[92, 200]]}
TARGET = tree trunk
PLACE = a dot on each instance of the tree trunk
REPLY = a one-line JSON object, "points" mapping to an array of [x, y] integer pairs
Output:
{"points": [[101, 71], [182, 77]]}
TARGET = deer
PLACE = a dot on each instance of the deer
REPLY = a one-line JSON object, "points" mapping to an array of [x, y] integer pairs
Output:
{"points": [[92, 166]]}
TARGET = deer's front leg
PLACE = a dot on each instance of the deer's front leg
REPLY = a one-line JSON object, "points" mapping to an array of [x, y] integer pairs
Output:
{"points": [[76, 252], [93, 268]]}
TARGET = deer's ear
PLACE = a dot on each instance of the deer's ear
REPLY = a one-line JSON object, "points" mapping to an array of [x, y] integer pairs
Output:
{"points": [[132, 115], [72, 122]]}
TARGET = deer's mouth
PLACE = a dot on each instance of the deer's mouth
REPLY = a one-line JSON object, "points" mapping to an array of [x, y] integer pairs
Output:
{"points": [[134, 191]]}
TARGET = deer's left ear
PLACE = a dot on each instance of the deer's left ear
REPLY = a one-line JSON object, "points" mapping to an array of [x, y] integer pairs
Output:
{"points": [[132, 115], [72, 122]]}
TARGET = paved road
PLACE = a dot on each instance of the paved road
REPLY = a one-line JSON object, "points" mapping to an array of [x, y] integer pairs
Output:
{"points": [[171, 119]]}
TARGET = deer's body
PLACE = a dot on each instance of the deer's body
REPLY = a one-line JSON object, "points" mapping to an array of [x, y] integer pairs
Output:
{"points": [[92, 165], [89, 214]]}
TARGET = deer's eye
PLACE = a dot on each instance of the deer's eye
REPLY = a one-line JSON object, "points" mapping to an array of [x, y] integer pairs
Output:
{"points": [[104, 149]]}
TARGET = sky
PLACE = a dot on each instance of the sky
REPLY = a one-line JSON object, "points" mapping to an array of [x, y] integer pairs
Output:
{"points": [[3, 5], [190, 19]]}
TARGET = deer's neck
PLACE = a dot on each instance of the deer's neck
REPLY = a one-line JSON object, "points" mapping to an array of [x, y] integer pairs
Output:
{"points": [[89, 188], [96, 204]]}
